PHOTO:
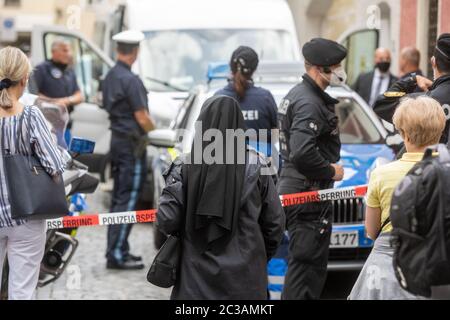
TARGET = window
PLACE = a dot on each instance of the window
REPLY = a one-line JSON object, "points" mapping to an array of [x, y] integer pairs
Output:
{"points": [[180, 58], [355, 125], [361, 46], [94, 70], [12, 3]]}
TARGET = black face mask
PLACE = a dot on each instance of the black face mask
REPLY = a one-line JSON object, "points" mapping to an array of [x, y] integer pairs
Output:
{"points": [[383, 66]]}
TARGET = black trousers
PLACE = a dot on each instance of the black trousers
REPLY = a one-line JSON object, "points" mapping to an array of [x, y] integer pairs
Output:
{"points": [[129, 175], [309, 228]]}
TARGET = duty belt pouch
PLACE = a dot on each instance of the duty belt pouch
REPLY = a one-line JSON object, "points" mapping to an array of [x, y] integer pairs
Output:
{"points": [[164, 269], [29, 186]]}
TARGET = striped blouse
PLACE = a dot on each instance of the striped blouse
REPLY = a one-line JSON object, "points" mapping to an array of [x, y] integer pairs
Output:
{"points": [[41, 144]]}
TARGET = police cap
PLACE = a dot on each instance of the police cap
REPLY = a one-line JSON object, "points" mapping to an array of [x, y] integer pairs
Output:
{"points": [[323, 52], [245, 59], [131, 37], [443, 46]]}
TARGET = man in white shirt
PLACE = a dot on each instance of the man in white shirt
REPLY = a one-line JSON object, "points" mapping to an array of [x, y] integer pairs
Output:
{"points": [[370, 85]]}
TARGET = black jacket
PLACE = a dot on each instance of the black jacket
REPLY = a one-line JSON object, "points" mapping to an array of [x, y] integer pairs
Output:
{"points": [[386, 104], [363, 85], [309, 133], [240, 271]]}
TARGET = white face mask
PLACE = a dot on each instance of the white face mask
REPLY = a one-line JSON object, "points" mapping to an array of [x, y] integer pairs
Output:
{"points": [[338, 77]]}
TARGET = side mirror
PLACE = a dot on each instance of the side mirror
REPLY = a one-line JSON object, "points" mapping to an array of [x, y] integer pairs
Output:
{"points": [[81, 146], [162, 138]]}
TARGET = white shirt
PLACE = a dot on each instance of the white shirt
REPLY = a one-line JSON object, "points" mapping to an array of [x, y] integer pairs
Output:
{"points": [[383, 87]]}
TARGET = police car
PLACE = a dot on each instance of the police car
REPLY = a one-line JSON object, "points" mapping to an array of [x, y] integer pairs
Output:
{"points": [[364, 147]]}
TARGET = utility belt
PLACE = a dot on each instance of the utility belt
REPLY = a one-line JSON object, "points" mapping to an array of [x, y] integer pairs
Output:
{"points": [[137, 140], [292, 176]]}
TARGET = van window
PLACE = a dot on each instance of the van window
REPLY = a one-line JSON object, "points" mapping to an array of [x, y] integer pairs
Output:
{"points": [[180, 58], [361, 46]]}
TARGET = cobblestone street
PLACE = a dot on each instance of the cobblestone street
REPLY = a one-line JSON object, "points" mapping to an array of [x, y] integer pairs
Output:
{"points": [[87, 278]]}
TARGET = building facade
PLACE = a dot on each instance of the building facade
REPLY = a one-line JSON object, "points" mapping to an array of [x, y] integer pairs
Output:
{"points": [[19, 16], [398, 23]]}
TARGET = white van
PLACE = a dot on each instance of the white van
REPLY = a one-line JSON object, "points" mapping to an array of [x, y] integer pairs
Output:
{"points": [[182, 38]]}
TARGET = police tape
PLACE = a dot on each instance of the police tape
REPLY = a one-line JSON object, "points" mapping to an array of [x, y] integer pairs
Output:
{"points": [[148, 216], [104, 219], [323, 195]]}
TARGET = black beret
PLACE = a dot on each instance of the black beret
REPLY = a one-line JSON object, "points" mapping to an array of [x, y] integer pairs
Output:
{"points": [[323, 52], [443, 45], [246, 58]]}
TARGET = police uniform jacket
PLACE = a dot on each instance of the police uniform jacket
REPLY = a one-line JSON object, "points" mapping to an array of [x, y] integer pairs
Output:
{"points": [[309, 133], [386, 104], [123, 94]]}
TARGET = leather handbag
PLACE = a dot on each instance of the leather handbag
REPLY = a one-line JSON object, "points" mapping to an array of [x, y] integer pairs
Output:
{"points": [[33, 193], [164, 269]]}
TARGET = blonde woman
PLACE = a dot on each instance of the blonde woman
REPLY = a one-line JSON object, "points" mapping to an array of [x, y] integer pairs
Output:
{"points": [[421, 122], [22, 242]]}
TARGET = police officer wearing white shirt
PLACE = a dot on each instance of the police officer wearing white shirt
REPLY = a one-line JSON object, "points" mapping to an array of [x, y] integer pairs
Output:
{"points": [[125, 99]]}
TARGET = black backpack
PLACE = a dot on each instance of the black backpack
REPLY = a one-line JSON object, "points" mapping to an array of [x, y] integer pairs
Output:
{"points": [[420, 214]]}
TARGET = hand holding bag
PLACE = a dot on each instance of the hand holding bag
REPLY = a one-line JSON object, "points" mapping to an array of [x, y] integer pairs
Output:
{"points": [[164, 269], [33, 193]]}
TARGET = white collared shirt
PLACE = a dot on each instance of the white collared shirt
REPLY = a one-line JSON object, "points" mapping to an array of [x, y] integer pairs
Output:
{"points": [[378, 76]]}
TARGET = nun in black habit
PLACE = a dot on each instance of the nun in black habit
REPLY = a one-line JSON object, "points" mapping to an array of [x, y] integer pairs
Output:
{"points": [[229, 216]]}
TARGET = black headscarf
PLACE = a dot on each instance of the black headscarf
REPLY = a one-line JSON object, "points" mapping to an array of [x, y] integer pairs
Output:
{"points": [[213, 191]]}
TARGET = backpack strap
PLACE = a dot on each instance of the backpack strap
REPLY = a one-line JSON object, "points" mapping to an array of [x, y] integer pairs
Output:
{"points": [[385, 223], [444, 153]]}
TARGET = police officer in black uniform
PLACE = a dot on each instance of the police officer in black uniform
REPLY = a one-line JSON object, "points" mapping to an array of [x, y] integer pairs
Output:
{"points": [[55, 81], [125, 99], [386, 104], [257, 104], [310, 148]]}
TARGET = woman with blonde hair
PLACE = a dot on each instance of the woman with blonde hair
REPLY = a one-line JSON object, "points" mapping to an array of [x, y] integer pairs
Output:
{"points": [[421, 122], [23, 242]]}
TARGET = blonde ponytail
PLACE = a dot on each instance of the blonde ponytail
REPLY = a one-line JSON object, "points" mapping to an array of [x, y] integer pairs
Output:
{"points": [[14, 66]]}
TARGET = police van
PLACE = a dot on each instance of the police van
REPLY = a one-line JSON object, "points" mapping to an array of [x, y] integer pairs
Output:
{"points": [[181, 38], [364, 147]]}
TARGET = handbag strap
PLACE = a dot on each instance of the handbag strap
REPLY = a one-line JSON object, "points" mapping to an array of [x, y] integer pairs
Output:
{"points": [[18, 133], [20, 129]]}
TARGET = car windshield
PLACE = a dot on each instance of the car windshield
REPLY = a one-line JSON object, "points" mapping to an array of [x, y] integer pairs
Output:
{"points": [[179, 59]]}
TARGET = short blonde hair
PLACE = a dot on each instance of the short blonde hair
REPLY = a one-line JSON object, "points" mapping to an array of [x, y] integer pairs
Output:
{"points": [[15, 66], [420, 119]]}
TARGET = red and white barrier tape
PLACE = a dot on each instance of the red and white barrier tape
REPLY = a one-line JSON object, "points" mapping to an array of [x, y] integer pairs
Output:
{"points": [[105, 219], [323, 195], [146, 216]]}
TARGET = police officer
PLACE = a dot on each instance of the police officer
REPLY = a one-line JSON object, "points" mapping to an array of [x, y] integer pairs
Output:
{"points": [[257, 104], [310, 148], [386, 104], [125, 99], [55, 81]]}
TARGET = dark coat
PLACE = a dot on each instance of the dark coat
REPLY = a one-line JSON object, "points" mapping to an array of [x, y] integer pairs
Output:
{"points": [[239, 272], [309, 133], [386, 104], [363, 85]]}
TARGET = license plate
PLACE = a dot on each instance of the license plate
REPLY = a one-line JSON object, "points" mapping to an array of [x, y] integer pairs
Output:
{"points": [[345, 239]]}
